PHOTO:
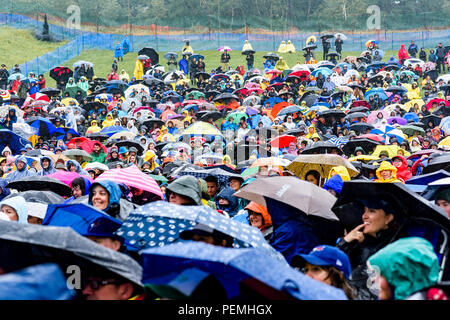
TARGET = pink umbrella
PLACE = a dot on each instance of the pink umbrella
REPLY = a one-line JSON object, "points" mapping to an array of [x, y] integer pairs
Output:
{"points": [[252, 85], [67, 177], [374, 114], [132, 177], [224, 48]]}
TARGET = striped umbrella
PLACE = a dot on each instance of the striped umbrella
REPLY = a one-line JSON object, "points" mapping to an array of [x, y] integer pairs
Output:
{"points": [[132, 177]]}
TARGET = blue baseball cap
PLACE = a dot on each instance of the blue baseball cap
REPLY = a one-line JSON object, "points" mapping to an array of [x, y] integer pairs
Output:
{"points": [[325, 255]]}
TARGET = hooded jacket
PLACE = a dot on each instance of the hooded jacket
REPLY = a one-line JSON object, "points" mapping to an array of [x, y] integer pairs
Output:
{"points": [[227, 194], [114, 192], [79, 170], [341, 171], [19, 174], [334, 183], [402, 53], [266, 228], [187, 186], [87, 186], [109, 121], [387, 166], [138, 70], [403, 171], [51, 167], [4, 192], [19, 204]]}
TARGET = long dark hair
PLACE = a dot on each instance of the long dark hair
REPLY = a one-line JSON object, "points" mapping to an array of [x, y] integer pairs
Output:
{"points": [[338, 280]]}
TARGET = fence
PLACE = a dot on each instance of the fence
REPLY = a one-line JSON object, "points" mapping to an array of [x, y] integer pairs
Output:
{"points": [[81, 40]]}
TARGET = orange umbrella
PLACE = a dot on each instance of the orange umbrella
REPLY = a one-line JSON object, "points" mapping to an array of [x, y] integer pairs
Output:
{"points": [[277, 108]]}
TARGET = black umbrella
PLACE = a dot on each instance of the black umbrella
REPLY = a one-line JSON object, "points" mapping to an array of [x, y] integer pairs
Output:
{"points": [[321, 147], [391, 67], [211, 93], [23, 245], [375, 78], [47, 197], [361, 127], [367, 144], [215, 115], [92, 105], [61, 73], [354, 85], [311, 47], [97, 136], [295, 132], [151, 121], [150, 80], [438, 163], [355, 115], [333, 113], [271, 56], [405, 203], [151, 53], [41, 183], [396, 89], [204, 75], [225, 96], [129, 144], [50, 91], [333, 54], [432, 73], [327, 36], [310, 99], [433, 118], [357, 109]]}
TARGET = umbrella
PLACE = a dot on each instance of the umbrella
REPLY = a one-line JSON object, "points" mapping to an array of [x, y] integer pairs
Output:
{"points": [[123, 134], [132, 177], [405, 203], [392, 150], [305, 196], [96, 165], [67, 177], [399, 120], [215, 115], [12, 140], [247, 52], [111, 130], [410, 130], [81, 62], [62, 132], [204, 75], [45, 197], [196, 57], [288, 110], [311, 47], [151, 53], [61, 72], [397, 89], [40, 96], [14, 76], [283, 141], [73, 153], [322, 163], [361, 127], [64, 246], [367, 144], [129, 144], [202, 128], [271, 56], [222, 175], [270, 162], [184, 265], [160, 223], [438, 163], [169, 55], [44, 126], [388, 132], [41, 183], [322, 147]]}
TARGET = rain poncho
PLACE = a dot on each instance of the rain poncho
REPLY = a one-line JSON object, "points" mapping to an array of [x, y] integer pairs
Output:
{"points": [[83, 84], [340, 170], [247, 46], [71, 84], [227, 194], [184, 66], [124, 76], [79, 170], [4, 192], [402, 53], [290, 48], [16, 175], [94, 128], [334, 183], [403, 171], [409, 265], [19, 204], [266, 228], [109, 121], [51, 168], [138, 70], [281, 65], [387, 166], [282, 48], [118, 51]]}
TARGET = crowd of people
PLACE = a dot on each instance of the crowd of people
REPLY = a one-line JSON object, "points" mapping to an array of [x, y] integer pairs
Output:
{"points": [[149, 166]]}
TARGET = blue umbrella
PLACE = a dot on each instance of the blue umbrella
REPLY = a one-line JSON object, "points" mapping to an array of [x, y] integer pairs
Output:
{"points": [[82, 218], [196, 56], [45, 126], [159, 223], [13, 140], [273, 101], [15, 75], [388, 132], [381, 93], [111, 130], [324, 71], [64, 131], [232, 268], [190, 107], [342, 64], [411, 117], [38, 282]]}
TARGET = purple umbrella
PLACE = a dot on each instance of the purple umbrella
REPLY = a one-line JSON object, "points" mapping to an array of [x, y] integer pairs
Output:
{"points": [[251, 111], [175, 116], [399, 120]]}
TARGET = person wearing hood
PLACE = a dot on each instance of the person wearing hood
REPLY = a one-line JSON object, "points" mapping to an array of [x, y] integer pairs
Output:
{"points": [[407, 269], [138, 70], [290, 48], [281, 65], [113, 156], [341, 171], [150, 157], [83, 84], [109, 121], [118, 52], [94, 128], [74, 166], [282, 48], [259, 217], [184, 65], [105, 196], [401, 164], [47, 166], [225, 201], [387, 173], [402, 54], [185, 191], [80, 187], [334, 185], [15, 208], [10, 119], [21, 170], [124, 76]]}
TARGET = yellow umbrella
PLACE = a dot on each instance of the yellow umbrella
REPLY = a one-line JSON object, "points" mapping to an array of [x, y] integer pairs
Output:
{"points": [[67, 101], [322, 163], [204, 128], [411, 103], [311, 39], [392, 151], [445, 142], [363, 157], [392, 107]]}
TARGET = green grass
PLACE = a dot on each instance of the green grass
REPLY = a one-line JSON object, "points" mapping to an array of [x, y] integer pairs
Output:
{"points": [[103, 59], [19, 46]]}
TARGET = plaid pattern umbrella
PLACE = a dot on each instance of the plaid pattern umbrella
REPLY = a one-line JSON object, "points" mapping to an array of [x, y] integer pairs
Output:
{"points": [[132, 177]]}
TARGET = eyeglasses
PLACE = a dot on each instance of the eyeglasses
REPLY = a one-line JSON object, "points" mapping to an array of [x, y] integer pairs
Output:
{"points": [[95, 284]]}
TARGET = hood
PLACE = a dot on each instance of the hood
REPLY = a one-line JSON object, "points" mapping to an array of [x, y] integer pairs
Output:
{"points": [[334, 183], [227, 194], [24, 160], [19, 204], [113, 190], [386, 166], [404, 165], [50, 166], [7, 149], [360, 149], [409, 265], [76, 164], [263, 211], [342, 171]]}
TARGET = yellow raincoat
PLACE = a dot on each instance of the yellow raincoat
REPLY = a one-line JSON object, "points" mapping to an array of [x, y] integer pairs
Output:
{"points": [[311, 132], [282, 48], [387, 166], [149, 157], [340, 170], [186, 116], [109, 121], [281, 65], [94, 128], [124, 76], [139, 70], [165, 134], [290, 48]]}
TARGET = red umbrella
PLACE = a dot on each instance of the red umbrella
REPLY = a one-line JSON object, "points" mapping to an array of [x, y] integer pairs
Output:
{"points": [[360, 103], [438, 101], [40, 96], [77, 141], [372, 136], [186, 102], [302, 74], [88, 146], [67, 177], [132, 177], [283, 141], [38, 103]]}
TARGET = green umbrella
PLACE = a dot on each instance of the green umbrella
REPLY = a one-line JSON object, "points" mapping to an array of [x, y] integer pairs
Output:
{"points": [[410, 129], [73, 91], [249, 172], [158, 178], [195, 94], [237, 116]]}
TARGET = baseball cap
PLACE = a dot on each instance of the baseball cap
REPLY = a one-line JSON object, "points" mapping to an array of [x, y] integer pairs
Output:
{"points": [[325, 255]]}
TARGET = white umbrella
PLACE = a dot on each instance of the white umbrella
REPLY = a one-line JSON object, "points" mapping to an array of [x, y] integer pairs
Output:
{"points": [[96, 165], [343, 36], [86, 63], [126, 105], [127, 134]]}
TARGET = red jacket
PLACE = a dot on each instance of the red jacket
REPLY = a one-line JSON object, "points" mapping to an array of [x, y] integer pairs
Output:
{"points": [[403, 171]]}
